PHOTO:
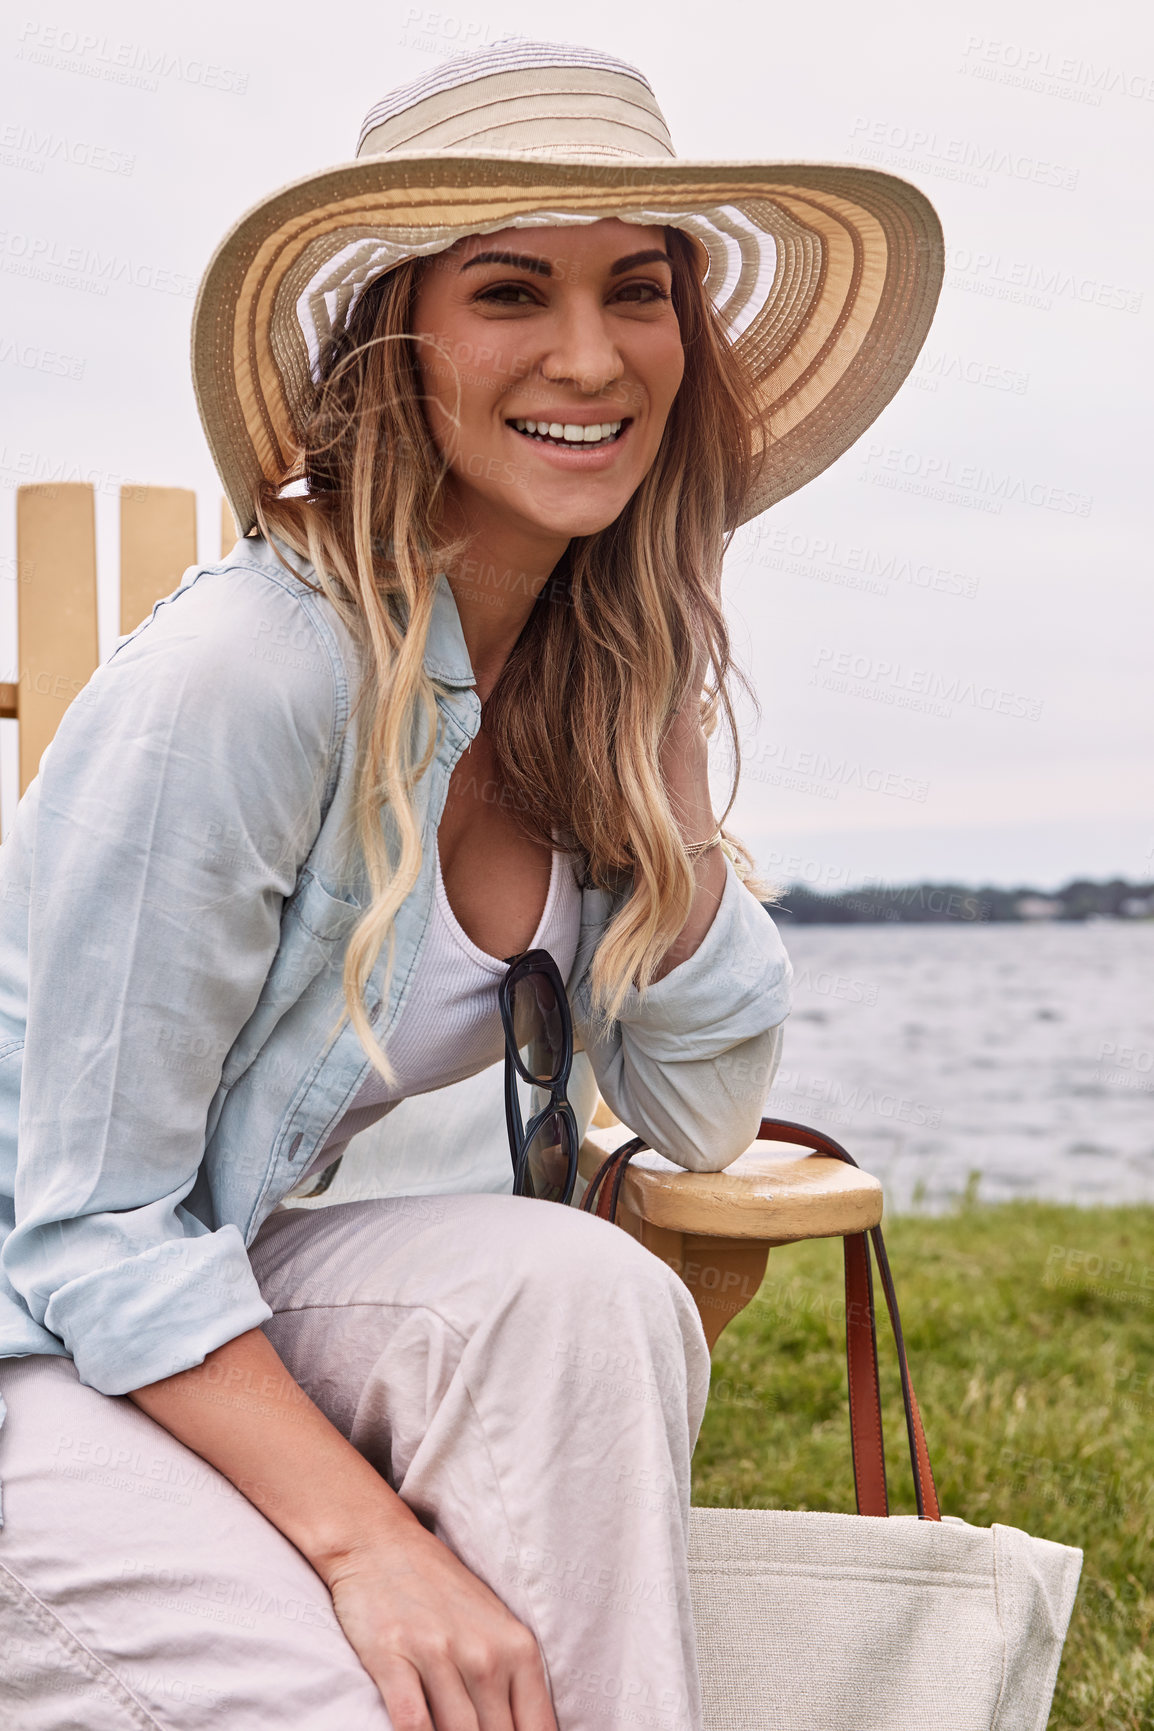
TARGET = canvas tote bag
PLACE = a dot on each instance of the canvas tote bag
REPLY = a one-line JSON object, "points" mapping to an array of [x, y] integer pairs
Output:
{"points": [[873, 1621]]}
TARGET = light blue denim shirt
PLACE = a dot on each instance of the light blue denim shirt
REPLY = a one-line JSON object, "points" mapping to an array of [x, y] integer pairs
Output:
{"points": [[176, 896]]}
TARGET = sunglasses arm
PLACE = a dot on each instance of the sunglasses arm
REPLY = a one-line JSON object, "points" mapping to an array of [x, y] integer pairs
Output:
{"points": [[514, 1123]]}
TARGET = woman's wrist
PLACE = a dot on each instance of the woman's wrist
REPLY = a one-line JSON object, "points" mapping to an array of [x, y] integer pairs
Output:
{"points": [[382, 1524], [695, 849]]}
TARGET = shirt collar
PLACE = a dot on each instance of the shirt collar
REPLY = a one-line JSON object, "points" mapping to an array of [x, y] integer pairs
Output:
{"points": [[446, 656]]}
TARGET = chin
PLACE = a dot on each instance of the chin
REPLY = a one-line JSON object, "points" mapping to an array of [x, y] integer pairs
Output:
{"points": [[572, 529], [580, 519]]}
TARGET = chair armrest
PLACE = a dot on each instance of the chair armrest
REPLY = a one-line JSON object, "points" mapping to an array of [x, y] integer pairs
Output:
{"points": [[763, 1195]]}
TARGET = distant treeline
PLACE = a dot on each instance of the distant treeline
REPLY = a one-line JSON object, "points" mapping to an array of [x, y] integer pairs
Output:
{"points": [[932, 903]]}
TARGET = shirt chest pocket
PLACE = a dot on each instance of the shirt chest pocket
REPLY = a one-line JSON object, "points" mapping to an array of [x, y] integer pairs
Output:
{"points": [[315, 928]]}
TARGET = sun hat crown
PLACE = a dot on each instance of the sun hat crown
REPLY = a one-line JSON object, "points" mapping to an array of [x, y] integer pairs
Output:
{"points": [[542, 98]]}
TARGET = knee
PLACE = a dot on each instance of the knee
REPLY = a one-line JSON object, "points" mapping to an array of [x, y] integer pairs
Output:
{"points": [[596, 1284], [587, 1258]]}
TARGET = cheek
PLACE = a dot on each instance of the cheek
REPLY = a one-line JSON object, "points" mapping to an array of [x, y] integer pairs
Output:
{"points": [[472, 369], [664, 373], [442, 381], [434, 323], [674, 370], [435, 406], [491, 362], [435, 366]]}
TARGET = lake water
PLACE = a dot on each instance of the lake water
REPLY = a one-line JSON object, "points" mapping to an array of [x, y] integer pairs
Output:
{"points": [[1022, 1052]]}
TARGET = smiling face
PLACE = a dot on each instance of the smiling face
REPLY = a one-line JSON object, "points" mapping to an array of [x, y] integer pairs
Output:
{"points": [[557, 358]]}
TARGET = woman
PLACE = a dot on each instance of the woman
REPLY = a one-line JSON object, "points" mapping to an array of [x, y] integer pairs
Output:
{"points": [[416, 1460]]}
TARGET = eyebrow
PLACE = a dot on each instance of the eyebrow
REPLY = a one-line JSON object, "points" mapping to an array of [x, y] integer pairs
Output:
{"points": [[542, 267]]}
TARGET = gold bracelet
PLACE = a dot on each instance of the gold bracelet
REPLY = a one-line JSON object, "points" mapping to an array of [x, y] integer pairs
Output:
{"points": [[695, 849]]}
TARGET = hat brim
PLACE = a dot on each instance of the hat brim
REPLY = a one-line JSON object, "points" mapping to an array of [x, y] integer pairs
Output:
{"points": [[858, 272]]}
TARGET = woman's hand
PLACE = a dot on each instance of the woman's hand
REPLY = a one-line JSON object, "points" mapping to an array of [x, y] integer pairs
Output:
{"points": [[443, 1650]]}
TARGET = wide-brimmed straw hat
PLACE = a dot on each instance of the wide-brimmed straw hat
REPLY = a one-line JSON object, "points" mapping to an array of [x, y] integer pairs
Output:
{"points": [[826, 276]]}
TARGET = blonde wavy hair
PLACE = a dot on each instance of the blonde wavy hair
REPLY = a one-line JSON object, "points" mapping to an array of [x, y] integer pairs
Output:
{"points": [[605, 660]]}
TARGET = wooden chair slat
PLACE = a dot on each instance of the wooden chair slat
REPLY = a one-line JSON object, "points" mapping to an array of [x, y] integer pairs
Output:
{"points": [[157, 545], [229, 534], [58, 642]]}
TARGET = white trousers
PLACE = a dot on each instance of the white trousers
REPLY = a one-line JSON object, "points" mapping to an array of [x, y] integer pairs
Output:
{"points": [[526, 1377]]}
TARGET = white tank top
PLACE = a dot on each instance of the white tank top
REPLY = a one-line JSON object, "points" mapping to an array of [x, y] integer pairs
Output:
{"points": [[450, 1026]]}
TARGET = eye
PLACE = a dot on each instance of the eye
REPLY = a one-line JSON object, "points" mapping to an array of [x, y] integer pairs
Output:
{"points": [[643, 293], [506, 294]]}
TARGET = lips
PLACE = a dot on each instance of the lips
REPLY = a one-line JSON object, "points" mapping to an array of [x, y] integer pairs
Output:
{"points": [[570, 434]]}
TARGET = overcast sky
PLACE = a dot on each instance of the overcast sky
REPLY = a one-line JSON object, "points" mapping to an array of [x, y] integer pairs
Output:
{"points": [[949, 631]]}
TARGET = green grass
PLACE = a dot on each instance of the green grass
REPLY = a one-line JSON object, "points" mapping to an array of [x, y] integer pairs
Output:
{"points": [[1030, 1335]]}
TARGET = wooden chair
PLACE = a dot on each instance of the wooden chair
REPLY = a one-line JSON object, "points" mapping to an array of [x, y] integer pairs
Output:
{"points": [[715, 1229]]}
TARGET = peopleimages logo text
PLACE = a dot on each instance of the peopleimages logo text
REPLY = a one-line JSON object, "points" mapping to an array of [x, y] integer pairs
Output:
{"points": [[996, 487], [875, 676], [1033, 62], [958, 157], [135, 63], [82, 267], [989, 273]]}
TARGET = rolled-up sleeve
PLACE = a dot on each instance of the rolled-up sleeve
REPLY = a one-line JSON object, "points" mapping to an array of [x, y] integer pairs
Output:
{"points": [[168, 824], [688, 1064]]}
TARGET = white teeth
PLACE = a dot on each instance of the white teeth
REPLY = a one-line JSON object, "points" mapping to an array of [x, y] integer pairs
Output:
{"points": [[571, 432]]}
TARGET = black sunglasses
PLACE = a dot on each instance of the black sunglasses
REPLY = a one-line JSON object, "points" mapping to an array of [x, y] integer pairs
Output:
{"points": [[539, 1049]]}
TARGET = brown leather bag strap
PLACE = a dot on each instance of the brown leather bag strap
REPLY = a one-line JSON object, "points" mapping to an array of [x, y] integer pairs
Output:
{"points": [[862, 1352], [604, 1190], [865, 1400], [925, 1490]]}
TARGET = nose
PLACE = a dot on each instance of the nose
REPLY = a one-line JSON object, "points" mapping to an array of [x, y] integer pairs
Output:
{"points": [[583, 352]]}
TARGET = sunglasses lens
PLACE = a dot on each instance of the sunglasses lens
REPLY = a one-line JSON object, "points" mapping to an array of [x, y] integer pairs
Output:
{"points": [[548, 1160], [540, 1027]]}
